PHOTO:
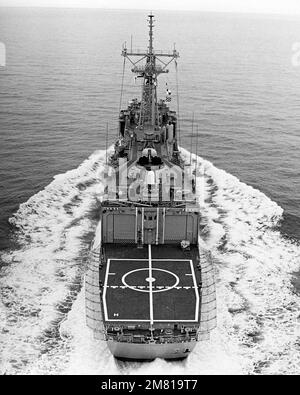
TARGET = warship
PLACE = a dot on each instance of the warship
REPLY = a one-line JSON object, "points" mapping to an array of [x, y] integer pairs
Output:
{"points": [[149, 283]]}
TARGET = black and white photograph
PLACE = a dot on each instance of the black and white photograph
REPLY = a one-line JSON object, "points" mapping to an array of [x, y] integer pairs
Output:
{"points": [[149, 190]]}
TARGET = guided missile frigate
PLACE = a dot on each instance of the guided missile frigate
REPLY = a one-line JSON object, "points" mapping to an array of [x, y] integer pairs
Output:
{"points": [[150, 290]]}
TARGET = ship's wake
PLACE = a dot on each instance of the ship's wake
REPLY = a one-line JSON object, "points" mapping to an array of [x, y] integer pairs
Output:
{"points": [[42, 301]]}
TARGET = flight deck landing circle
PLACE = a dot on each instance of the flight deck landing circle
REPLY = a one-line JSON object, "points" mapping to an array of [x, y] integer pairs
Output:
{"points": [[150, 280]]}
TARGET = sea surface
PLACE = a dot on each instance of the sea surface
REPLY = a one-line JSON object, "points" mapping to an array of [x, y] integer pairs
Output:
{"points": [[59, 91]]}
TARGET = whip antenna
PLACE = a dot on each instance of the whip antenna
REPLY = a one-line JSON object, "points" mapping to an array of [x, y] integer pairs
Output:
{"points": [[106, 143]]}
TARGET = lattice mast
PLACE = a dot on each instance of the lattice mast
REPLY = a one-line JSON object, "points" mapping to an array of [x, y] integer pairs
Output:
{"points": [[149, 72]]}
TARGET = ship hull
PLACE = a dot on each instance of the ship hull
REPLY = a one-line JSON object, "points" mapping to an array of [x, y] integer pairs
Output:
{"points": [[148, 352]]}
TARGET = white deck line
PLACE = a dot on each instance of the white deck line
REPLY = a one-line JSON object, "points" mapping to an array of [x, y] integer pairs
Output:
{"points": [[164, 224], [126, 319], [130, 320], [196, 292], [153, 259], [171, 260], [157, 223], [104, 291], [143, 214], [136, 227], [150, 285], [127, 259]]}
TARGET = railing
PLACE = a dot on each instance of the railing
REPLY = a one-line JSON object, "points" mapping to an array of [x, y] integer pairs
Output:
{"points": [[148, 340]]}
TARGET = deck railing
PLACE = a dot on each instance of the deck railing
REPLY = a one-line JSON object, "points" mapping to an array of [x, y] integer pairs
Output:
{"points": [[146, 340]]}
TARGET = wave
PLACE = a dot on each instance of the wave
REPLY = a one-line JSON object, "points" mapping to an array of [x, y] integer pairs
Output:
{"points": [[41, 279], [42, 311]]}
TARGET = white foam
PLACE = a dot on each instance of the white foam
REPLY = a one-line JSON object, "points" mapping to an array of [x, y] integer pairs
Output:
{"points": [[51, 228]]}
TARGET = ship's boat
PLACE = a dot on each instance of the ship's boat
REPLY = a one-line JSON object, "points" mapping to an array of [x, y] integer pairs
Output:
{"points": [[149, 284]]}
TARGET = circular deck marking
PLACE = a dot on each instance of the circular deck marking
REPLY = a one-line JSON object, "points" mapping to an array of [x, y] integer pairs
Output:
{"points": [[150, 280]]}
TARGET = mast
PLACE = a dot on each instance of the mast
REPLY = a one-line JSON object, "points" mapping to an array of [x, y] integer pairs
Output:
{"points": [[150, 108], [148, 118], [151, 33]]}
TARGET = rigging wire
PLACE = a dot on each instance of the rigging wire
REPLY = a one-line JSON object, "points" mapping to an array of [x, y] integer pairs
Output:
{"points": [[196, 168], [106, 143], [178, 116], [192, 136], [122, 85]]}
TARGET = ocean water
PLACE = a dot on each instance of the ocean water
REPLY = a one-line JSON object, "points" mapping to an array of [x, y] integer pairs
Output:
{"points": [[59, 89]]}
